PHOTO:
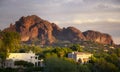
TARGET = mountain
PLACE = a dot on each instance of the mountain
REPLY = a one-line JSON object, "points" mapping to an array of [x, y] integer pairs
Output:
{"points": [[98, 37], [34, 29]]}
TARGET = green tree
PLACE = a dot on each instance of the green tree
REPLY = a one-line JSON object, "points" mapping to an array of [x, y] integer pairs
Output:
{"points": [[9, 42], [59, 65], [62, 52], [35, 49], [50, 54], [59, 51], [117, 51], [101, 65], [76, 47], [66, 51], [83, 68], [27, 48]]}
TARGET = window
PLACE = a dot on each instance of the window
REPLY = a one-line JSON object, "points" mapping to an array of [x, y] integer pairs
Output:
{"points": [[39, 63], [35, 63]]}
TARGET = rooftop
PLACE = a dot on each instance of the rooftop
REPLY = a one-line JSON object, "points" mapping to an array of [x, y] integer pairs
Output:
{"points": [[81, 53]]}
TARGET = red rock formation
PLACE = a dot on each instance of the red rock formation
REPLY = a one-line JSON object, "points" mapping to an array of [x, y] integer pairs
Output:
{"points": [[32, 28], [98, 37], [72, 34], [11, 28]]}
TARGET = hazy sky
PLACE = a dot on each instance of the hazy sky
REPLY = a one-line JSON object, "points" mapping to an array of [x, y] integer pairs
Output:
{"points": [[100, 15]]}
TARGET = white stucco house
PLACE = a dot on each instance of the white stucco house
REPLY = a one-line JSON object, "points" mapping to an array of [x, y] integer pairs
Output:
{"points": [[81, 57], [29, 57]]}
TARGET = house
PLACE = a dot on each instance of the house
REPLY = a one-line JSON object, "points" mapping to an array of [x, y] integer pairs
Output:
{"points": [[81, 57], [29, 57]]}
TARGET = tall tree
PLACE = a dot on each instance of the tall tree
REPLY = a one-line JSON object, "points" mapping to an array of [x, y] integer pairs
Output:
{"points": [[8, 43], [76, 47]]}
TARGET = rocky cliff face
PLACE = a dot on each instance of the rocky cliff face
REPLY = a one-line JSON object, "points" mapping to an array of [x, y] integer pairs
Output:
{"points": [[98, 37], [72, 34], [33, 28]]}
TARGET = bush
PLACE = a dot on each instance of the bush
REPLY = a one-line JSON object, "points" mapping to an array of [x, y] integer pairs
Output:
{"points": [[59, 65], [24, 63]]}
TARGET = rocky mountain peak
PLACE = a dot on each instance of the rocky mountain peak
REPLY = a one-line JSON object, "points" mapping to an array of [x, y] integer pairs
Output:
{"points": [[73, 34], [33, 28], [98, 37]]}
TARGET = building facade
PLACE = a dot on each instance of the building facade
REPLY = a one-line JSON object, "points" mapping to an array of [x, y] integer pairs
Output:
{"points": [[29, 57], [81, 57]]}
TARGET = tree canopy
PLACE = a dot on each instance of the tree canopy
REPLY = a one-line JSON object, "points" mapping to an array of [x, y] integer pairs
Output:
{"points": [[9, 42]]}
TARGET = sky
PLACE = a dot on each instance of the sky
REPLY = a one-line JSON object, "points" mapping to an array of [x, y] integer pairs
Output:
{"points": [[100, 15]]}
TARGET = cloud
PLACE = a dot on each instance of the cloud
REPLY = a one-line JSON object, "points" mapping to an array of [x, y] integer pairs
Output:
{"points": [[63, 12], [88, 21], [113, 20], [85, 21]]}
